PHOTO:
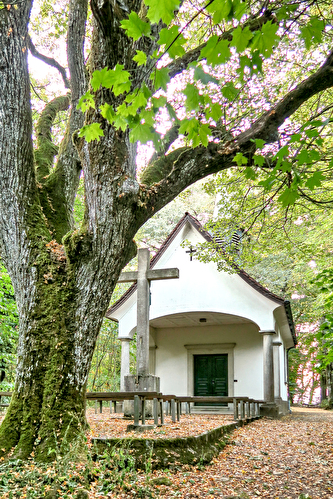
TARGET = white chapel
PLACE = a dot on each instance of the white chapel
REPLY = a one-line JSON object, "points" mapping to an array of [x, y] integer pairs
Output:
{"points": [[210, 332]]}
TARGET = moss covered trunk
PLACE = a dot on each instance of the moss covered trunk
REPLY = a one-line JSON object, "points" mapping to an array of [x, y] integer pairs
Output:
{"points": [[58, 332]]}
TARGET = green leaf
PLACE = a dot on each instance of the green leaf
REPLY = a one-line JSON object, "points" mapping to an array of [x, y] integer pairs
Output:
{"points": [[204, 133], [288, 197], [296, 137], [312, 33], [214, 111], [139, 101], [265, 39], [161, 78], [117, 79], [107, 112], [240, 159], [241, 38], [146, 91], [193, 98], [216, 52], [250, 173], [121, 81], [315, 181], [238, 9], [307, 156], [259, 160], [223, 51], [173, 41], [259, 143], [140, 58], [120, 122], [229, 91], [102, 77], [86, 101], [158, 102], [141, 133], [199, 74], [267, 183], [190, 128], [135, 27], [311, 133], [208, 52], [91, 132], [148, 116], [284, 151], [144, 133], [161, 10], [220, 10]]}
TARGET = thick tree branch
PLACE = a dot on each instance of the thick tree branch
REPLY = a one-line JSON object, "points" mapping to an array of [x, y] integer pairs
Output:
{"points": [[267, 125], [169, 138], [46, 151], [48, 60], [61, 185], [183, 167]]}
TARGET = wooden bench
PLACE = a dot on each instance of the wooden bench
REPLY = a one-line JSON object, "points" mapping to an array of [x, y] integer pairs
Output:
{"points": [[243, 407]]}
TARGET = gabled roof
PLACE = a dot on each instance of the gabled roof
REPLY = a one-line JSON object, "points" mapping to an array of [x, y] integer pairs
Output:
{"points": [[187, 218]]}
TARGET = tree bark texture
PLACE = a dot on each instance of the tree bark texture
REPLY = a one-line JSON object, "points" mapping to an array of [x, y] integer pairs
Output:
{"points": [[63, 278]]}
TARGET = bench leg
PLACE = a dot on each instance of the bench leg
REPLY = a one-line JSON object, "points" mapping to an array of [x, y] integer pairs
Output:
{"points": [[162, 413], [155, 407], [143, 405], [136, 409], [235, 409], [173, 410]]}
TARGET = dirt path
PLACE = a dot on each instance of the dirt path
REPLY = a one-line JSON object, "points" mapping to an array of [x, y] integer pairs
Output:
{"points": [[274, 459], [287, 459]]}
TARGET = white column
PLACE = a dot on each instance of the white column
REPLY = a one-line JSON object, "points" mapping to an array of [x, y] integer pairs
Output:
{"points": [[277, 376], [125, 361], [267, 337]]}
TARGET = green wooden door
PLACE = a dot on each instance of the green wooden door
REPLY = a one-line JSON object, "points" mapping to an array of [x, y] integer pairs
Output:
{"points": [[211, 376]]}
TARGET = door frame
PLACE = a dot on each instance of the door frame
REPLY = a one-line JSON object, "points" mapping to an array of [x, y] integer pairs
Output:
{"points": [[210, 349]]}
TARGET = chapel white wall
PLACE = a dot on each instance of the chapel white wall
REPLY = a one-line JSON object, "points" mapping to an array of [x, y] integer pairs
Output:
{"points": [[172, 356]]}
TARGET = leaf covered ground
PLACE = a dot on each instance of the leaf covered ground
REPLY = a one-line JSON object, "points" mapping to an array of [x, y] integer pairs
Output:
{"points": [[114, 425], [290, 458]]}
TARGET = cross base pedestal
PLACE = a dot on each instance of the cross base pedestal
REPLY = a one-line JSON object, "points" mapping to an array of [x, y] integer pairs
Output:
{"points": [[148, 383]]}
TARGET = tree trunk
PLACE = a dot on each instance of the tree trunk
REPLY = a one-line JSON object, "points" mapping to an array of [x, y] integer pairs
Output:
{"points": [[47, 410], [323, 395], [329, 381]]}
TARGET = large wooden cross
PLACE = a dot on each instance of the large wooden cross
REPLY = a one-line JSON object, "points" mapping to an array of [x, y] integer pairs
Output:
{"points": [[143, 276]]}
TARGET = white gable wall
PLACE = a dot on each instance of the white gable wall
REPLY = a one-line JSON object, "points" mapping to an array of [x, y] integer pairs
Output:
{"points": [[199, 288]]}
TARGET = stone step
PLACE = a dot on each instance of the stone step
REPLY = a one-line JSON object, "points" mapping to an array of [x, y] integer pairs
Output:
{"points": [[210, 410]]}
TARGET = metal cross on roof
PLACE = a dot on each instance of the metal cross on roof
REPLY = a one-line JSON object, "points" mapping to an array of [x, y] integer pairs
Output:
{"points": [[191, 251]]}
